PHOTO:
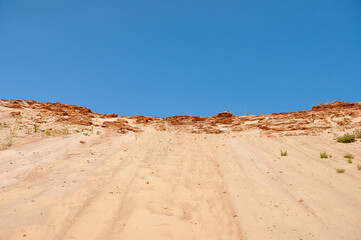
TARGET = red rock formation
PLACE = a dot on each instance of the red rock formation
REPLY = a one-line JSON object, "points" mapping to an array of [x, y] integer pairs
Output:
{"points": [[120, 126], [223, 118], [320, 118], [337, 104], [184, 120], [111, 115], [145, 120]]}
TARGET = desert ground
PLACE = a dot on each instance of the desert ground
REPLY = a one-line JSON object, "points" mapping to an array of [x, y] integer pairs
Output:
{"points": [[68, 173]]}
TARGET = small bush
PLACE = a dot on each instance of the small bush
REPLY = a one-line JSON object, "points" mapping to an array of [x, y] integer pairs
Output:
{"points": [[349, 156], [283, 153], [323, 155], [358, 166], [36, 128], [15, 128], [349, 161], [10, 142], [66, 131], [357, 133], [340, 170], [346, 138]]}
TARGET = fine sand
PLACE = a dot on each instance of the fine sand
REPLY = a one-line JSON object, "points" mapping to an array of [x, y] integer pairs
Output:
{"points": [[69, 173], [178, 185]]}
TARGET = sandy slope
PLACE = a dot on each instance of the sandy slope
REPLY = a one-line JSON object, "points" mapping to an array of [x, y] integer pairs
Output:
{"points": [[177, 185]]}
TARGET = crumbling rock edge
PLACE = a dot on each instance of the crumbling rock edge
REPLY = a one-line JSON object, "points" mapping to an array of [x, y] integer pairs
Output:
{"points": [[340, 115]]}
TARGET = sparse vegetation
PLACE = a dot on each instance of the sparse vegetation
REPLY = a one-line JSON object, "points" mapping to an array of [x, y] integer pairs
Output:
{"points": [[283, 153], [66, 131], [358, 166], [346, 138], [56, 132], [15, 128], [10, 142], [349, 156], [323, 155], [4, 125], [349, 137], [340, 170], [36, 128], [357, 133]]}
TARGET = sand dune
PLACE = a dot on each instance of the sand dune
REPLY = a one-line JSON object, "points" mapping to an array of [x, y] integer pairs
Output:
{"points": [[156, 180]]}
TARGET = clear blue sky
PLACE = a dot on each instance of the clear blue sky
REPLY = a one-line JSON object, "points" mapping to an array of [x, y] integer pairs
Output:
{"points": [[164, 58]]}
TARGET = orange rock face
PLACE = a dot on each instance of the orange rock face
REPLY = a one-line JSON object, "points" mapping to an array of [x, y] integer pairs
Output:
{"points": [[320, 118], [337, 105], [71, 114], [145, 120], [120, 126], [184, 120]]}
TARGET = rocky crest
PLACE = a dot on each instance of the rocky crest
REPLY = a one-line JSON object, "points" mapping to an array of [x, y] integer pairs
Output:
{"points": [[339, 115]]}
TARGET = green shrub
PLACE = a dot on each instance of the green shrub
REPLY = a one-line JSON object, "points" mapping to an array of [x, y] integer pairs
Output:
{"points": [[283, 153], [349, 161], [346, 138], [340, 170], [349, 156], [323, 155], [358, 166], [36, 128]]}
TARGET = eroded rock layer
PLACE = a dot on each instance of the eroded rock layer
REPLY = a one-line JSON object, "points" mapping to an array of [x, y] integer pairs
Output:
{"points": [[337, 115]]}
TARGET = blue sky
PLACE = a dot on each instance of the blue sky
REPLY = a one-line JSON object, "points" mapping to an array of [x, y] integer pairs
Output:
{"points": [[164, 58]]}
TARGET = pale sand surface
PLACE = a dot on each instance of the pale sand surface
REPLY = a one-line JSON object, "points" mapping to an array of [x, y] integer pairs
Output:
{"points": [[88, 176], [177, 185]]}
